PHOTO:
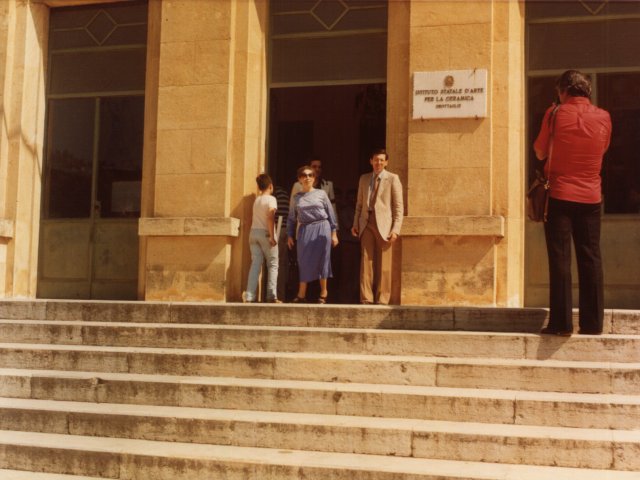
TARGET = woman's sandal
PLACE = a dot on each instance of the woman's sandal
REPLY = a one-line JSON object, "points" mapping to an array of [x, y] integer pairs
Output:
{"points": [[322, 300], [299, 300]]}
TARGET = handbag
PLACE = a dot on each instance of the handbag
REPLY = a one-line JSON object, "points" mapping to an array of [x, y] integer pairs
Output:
{"points": [[538, 193], [538, 198]]}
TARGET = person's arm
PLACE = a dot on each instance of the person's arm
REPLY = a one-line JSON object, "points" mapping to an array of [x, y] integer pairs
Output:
{"points": [[292, 222], [397, 208], [271, 226], [356, 215], [332, 199], [541, 144], [609, 127], [332, 219]]}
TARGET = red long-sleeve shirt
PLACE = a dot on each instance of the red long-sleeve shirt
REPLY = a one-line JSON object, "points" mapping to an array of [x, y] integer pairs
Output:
{"points": [[582, 133]]}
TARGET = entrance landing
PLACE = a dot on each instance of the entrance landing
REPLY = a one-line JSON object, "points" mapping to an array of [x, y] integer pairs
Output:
{"points": [[478, 319]]}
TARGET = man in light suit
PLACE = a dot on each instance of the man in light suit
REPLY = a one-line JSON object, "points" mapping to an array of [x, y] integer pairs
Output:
{"points": [[377, 221]]}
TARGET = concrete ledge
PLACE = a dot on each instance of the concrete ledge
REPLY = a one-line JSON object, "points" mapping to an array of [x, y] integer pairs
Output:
{"points": [[189, 226], [477, 226], [522, 444], [6, 228], [557, 409], [131, 458], [506, 374]]}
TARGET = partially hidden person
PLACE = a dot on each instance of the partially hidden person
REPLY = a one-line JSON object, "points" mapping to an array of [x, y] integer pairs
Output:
{"points": [[262, 241], [377, 222], [282, 213], [574, 137], [311, 226]]}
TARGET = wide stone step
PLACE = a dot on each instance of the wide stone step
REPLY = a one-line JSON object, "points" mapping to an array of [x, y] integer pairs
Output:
{"points": [[356, 316], [126, 458], [27, 475], [603, 348], [397, 401], [538, 375], [513, 444]]}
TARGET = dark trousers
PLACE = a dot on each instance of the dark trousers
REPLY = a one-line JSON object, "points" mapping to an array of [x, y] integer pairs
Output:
{"points": [[582, 222]]}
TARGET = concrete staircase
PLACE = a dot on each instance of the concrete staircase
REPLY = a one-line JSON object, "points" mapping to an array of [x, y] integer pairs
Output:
{"points": [[191, 391]]}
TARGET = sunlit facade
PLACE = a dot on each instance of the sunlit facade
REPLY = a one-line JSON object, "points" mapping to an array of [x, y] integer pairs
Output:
{"points": [[132, 132]]}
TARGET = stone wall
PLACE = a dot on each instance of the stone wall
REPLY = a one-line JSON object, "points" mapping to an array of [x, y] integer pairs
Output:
{"points": [[206, 145], [463, 176]]}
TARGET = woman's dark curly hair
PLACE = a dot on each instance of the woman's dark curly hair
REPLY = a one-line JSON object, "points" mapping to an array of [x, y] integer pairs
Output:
{"points": [[574, 83]]}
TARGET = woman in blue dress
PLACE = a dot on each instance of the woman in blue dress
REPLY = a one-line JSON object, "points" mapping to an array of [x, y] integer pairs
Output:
{"points": [[313, 217]]}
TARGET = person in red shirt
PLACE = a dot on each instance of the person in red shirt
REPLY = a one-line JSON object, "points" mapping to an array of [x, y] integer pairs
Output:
{"points": [[573, 138]]}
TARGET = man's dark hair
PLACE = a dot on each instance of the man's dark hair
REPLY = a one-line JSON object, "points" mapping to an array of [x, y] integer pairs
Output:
{"points": [[263, 180], [380, 151], [574, 83]]}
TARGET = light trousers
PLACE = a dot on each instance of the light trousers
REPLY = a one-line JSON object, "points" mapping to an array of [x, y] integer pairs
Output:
{"points": [[375, 265], [261, 249]]}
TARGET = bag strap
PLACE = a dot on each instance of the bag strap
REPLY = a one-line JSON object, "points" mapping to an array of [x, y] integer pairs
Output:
{"points": [[547, 185]]}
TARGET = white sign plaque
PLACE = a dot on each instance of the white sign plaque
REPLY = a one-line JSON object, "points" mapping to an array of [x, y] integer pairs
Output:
{"points": [[450, 94]]}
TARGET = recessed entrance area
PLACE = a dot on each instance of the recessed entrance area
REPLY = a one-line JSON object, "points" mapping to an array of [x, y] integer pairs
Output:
{"points": [[340, 125], [327, 100]]}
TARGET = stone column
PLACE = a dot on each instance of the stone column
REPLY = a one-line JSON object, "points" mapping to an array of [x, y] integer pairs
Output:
{"points": [[463, 235], [23, 38], [204, 145]]}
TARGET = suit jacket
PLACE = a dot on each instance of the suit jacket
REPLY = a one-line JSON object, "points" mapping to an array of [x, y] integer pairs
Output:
{"points": [[389, 206]]}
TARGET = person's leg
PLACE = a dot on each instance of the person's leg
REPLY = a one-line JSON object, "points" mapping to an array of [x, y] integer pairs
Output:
{"points": [[368, 246], [586, 238], [271, 255], [323, 290], [383, 290], [302, 290], [257, 258], [557, 231]]}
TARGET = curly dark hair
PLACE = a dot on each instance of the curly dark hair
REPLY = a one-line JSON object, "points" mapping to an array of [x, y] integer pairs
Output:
{"points": [[263, 180], [574, 83]]}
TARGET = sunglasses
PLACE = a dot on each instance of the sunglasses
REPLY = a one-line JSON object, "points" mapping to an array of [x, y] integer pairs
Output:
{"points": [[307, 175]]}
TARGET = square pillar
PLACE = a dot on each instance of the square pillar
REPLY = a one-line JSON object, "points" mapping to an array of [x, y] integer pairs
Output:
{"points": [[464, 185], [23, 46], [206, 91]]}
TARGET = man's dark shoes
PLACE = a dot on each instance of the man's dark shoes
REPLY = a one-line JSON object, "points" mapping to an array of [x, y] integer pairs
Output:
{"points": [[586, 331], [555, 331]]}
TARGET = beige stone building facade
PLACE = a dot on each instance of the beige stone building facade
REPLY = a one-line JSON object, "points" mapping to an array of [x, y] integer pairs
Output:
{"points": [[131, 133]]}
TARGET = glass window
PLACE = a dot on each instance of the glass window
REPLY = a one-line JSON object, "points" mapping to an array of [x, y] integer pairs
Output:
{"points": [[69, 158], [620, 95], [95, 133], [328, 41], [120, 156], [95, 26], [105, 71], [584, 44], [541, 94]]}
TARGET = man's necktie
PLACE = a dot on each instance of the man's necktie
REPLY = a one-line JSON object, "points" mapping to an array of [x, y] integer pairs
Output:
{"points": [[375, 182]]}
